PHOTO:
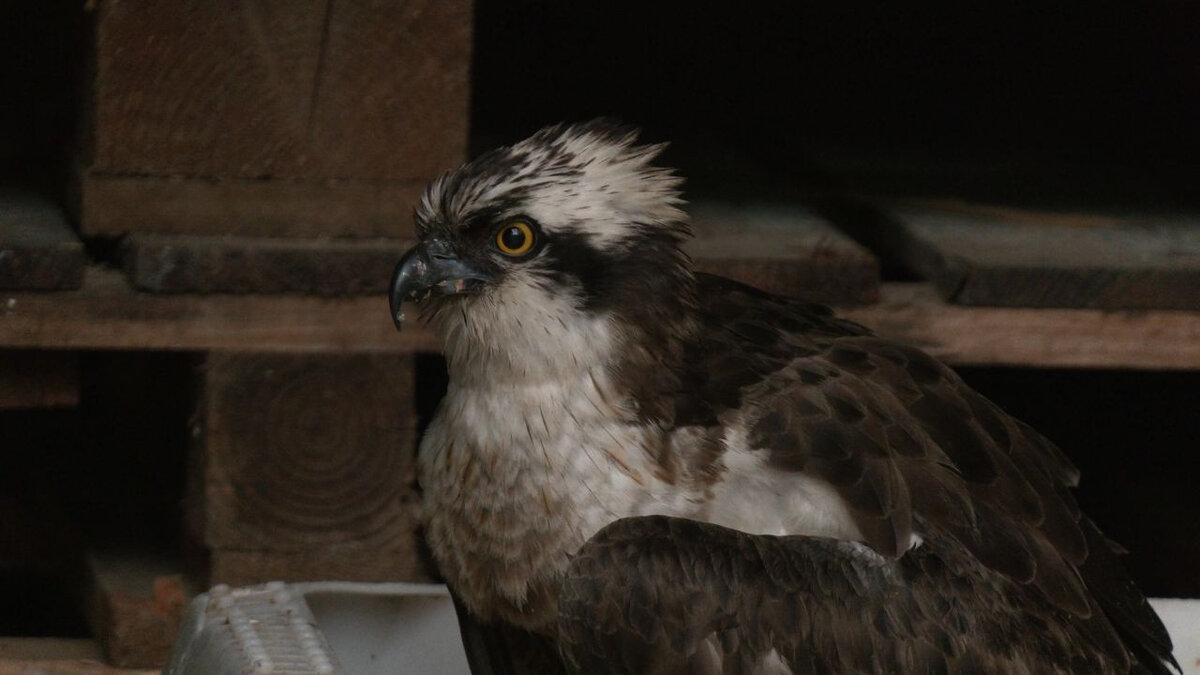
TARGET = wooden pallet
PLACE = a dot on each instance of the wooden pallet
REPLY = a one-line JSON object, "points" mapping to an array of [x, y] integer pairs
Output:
{"points": [[781, 249], [978, 255], [193, 264], [38, 249], [108, 314], [135, 600], [56, 656], [304, 468]]}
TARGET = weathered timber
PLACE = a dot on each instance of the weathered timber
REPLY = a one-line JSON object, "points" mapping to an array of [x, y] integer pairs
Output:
{"points": [[1036, 338], [135, 603], [161, 263], [400, 560], [304, 466], [115, 204], [224, 113], [1005, 257], [38, 249], [108, 314], [783, 249], [58, 656]]}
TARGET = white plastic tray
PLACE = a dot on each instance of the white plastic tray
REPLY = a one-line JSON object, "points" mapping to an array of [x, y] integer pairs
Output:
{"points": [[321, 628], [343, 628]]}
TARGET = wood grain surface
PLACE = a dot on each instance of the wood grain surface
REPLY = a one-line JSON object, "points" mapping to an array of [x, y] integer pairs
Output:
{"points": [[270, 117], [173, 264], [783, 249], [38, 248], [108, 314], [1026, 259], [135, 604], [304, 467]]}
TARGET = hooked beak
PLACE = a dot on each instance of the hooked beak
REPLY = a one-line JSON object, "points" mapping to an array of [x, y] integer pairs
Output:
{"points": [[432, 268]]}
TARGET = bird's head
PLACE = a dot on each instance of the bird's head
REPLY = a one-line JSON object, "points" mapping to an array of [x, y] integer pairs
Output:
{"points": [[563, 248]]}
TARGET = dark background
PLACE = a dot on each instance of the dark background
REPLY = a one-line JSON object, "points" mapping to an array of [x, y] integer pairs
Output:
{"points": [[1084, 107], [934, 97]]}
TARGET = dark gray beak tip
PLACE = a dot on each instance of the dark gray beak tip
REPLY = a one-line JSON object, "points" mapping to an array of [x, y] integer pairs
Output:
{"points": [[407, 279], [429, 269]]}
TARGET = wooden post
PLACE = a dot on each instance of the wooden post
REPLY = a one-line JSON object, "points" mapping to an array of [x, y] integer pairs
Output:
{"points": [[304, 468], [38, 249], [271, 118], [135, 605]]}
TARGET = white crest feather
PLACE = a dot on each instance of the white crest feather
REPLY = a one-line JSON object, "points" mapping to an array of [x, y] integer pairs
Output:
{"points": [[588, 176]]}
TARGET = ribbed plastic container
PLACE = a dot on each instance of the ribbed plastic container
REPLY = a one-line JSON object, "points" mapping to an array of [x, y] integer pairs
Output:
{"points": [[343, 628], [321, 628]]}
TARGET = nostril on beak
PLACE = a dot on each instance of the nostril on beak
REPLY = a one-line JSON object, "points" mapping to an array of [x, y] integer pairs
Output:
{"points": [[439, 249]]}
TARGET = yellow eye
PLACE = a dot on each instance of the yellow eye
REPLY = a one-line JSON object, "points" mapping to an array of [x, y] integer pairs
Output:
{"points": [[515, 238]]}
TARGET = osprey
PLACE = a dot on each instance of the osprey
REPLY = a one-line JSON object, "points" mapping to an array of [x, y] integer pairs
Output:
{"points": [[665, 471]]}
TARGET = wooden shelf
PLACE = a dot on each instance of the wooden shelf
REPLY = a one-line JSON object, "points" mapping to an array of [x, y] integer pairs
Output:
{"points": [[107, 314], [1043, 338], [57, 656]]}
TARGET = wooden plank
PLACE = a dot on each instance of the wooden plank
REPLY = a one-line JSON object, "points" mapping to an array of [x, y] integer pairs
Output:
{"points": [[1026, 259], [58, 656], [273, 118], [395, 87], [107, 314], [783, 249], [49, 649], [243, 264], [399, 561], [135, 605], [305, 464], [113, 204], [365, 89], [38, 249], [37, 379], [1046, 338]]}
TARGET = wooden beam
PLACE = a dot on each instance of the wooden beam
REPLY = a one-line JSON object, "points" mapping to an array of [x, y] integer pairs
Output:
{"points": [[107, 314], [782, 249], [1044, 338], [58, 656], [281, 118], [135, 604], [304, 468], [400, 560], [360, 89], [1013, 258], [175, 264], [111, 204], [38, 249]]}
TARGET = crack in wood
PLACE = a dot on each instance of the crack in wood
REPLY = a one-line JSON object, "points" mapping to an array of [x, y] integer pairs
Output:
{"points": [[319, 73]]}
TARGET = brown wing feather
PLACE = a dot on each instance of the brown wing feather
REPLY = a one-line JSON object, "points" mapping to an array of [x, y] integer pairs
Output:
{"points": [[665, 595], [910, 447]]}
